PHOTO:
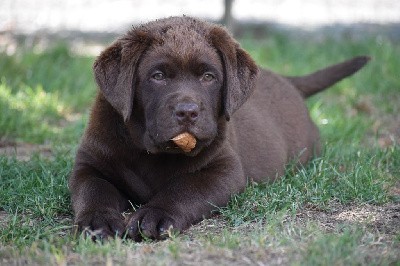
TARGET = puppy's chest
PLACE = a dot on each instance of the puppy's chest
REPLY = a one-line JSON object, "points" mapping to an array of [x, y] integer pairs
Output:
{"points": [[144, 177]]}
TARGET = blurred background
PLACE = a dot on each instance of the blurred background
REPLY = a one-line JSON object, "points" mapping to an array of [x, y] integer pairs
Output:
{"points": [[91, 19], [116, 15]]}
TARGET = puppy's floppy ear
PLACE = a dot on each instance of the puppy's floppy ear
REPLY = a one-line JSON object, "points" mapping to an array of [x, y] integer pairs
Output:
{"points": [[115, 69], [240, 70]]}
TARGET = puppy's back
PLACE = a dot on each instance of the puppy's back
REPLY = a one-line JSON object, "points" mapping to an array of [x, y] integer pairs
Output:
{"points": [[273, 127]]}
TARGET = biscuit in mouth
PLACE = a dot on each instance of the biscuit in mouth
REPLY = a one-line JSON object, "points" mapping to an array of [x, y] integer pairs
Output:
{"points": [[185, 141]]}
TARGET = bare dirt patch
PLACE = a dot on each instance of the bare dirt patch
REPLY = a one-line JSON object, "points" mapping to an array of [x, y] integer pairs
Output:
{"points": [[24, 151], [384, 219], [3, 218]]}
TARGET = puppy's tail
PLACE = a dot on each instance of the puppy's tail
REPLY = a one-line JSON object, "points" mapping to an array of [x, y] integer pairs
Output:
{"points": [[321, 79]]}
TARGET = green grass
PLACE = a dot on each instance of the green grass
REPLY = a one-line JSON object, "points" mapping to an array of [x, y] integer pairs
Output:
{"points": [[56, 70], [45, 98], [35, 195], [41, 94], [34, 115]]}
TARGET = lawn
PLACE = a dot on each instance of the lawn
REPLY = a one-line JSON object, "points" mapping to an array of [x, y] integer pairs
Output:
{"points": [[342, 209]]}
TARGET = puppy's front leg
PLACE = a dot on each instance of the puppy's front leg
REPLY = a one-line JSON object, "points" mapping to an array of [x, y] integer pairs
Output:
{"points": [[97, 204], [187, 199]]}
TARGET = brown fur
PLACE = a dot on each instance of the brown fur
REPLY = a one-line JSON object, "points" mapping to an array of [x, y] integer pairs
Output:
{"points": [[184, 75]]}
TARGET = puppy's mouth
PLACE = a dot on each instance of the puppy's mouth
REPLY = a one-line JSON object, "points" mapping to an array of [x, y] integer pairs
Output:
{"points": [[185, 143]]}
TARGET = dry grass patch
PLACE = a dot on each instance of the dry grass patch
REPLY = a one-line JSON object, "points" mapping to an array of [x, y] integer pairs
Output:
{"points": [[24, 151]]}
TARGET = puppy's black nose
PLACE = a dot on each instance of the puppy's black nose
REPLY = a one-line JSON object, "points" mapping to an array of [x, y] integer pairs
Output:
{"points": [[186, 112]]}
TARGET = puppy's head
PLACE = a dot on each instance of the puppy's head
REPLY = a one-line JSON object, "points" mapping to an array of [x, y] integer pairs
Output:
{"points": [[172, 76]]}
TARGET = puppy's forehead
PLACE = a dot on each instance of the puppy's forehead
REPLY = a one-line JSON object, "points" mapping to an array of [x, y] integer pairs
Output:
{"points": [[184, 44], [185, 39]]}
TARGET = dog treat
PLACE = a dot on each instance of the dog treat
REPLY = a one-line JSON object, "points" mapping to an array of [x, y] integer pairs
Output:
{"points": [[185, 141]]}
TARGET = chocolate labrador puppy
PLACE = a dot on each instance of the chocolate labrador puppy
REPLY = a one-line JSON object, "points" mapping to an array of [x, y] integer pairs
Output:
{"points": [[182, 75]]}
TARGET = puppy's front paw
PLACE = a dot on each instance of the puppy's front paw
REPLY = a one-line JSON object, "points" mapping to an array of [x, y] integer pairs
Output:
{"points": [[100, 225], [150, 223]]}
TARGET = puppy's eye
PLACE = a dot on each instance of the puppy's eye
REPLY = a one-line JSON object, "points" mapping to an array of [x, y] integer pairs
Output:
{"points": [[158, 75], [207, 77]]}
